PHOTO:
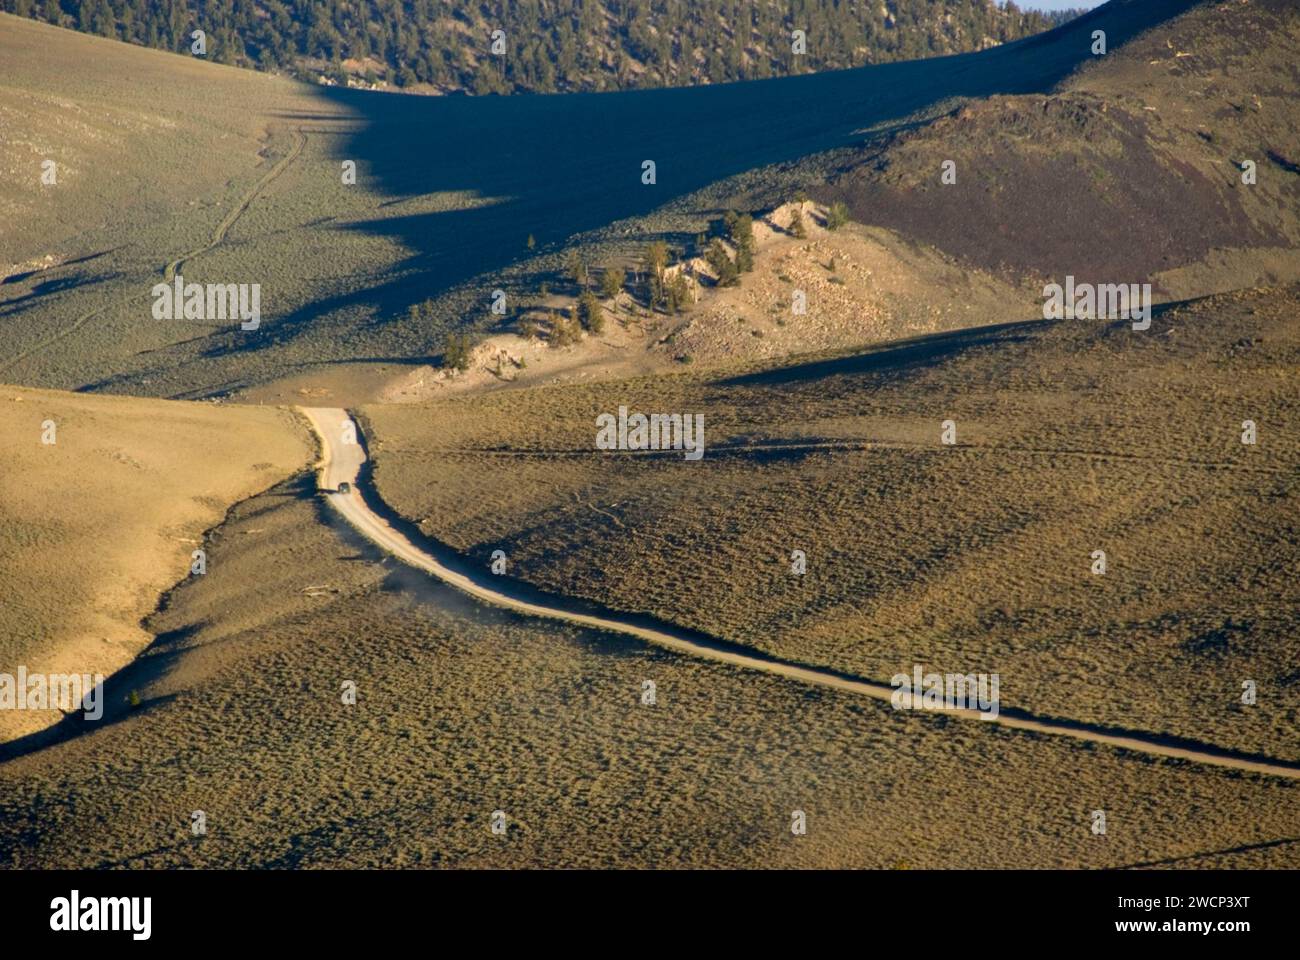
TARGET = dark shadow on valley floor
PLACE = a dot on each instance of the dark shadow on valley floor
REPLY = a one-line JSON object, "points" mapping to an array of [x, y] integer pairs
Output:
{"points": [[557, 165]]}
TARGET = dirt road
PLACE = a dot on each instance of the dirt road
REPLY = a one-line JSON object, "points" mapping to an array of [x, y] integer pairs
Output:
{"points": [[342, 455]]}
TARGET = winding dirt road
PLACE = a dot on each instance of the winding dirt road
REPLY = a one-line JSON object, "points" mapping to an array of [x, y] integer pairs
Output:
{"points": [[342, 456]]}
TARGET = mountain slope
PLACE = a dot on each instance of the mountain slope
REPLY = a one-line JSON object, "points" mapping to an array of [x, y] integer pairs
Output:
{"points": [[1130, 170], [462, 711], [97, 523], [1071, 437], [448, 191]]}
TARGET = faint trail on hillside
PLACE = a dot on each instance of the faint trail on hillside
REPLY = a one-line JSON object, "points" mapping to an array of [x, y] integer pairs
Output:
{"points": [[169, 271], [341, 462], [51, 340], [219, 234]]}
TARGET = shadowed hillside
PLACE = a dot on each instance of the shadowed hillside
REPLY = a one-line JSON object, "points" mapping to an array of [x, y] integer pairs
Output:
{"points": [[1131, 170], [103, 501], [554, 167], [902, 467], [448, 191]]}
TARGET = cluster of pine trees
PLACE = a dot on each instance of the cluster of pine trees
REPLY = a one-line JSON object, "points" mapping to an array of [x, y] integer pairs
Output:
{"points": [[549, 45], [664, 290]]}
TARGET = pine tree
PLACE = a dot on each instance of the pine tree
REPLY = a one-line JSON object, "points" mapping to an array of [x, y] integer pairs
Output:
{"points": [[565, 331], [797, 229], [655, 260], [456, 351], [593, 316], [677, 294], [740, 231], [611, 281], [720, 263], [577, 269]]}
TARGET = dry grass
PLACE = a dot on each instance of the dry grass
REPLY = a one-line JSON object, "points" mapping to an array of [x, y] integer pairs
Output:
{"points": [[140, 185], [1128, 170], [463, 711], [1073, 437], [96, 525]]}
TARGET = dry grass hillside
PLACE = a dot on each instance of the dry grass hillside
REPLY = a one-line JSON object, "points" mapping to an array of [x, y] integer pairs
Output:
{"points": [[826, 438], [94, 108], [858, 286], [1071, 437], [462, 711], [96, 525], [238, 178], [1129, 170]]}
